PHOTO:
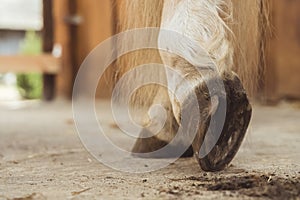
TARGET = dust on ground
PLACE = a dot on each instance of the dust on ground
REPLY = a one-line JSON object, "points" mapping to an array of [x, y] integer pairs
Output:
{"points": [[41, 157]]}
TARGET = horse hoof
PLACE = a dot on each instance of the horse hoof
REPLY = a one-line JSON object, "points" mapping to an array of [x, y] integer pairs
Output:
{"points": [[238, 113]]}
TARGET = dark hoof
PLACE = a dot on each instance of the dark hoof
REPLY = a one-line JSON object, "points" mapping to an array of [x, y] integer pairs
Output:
{"points": [[238, 115]]}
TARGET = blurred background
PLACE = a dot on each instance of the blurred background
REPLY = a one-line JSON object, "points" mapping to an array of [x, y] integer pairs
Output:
{"points": [[43, 43]]}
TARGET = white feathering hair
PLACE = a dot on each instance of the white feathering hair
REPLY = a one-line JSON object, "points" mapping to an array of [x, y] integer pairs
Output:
{"points": [[232, 31]]}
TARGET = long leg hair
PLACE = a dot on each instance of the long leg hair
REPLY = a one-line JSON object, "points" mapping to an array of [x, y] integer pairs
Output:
{"points": [[245, 24]]}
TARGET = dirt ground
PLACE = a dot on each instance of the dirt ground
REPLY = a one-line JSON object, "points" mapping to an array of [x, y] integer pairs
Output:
{"points": [[41, 157]]}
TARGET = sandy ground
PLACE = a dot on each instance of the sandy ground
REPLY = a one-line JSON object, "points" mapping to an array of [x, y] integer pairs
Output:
{"points": [[41, 157]]}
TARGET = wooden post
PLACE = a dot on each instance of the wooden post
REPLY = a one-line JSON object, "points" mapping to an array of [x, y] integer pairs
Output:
{"points": [[48, 79], [97, 26], [63, 37]]}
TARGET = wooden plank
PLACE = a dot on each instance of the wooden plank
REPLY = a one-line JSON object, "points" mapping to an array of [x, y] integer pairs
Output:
{"points": [[283, 67], [44, 63], [288, 51]]}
